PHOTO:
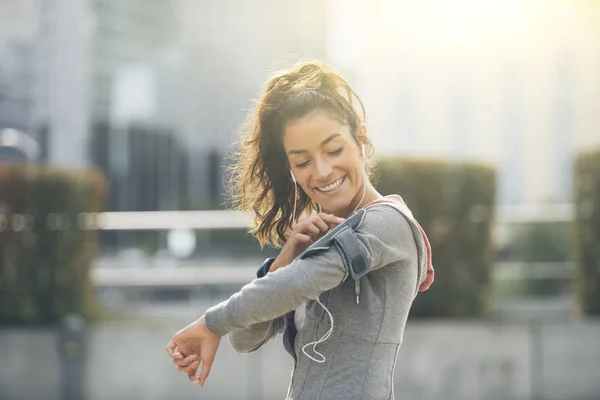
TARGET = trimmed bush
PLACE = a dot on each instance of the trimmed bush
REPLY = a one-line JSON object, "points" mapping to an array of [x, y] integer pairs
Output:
{"points": [[542, 243], [455, 205], [587, 231], [47, 242]]}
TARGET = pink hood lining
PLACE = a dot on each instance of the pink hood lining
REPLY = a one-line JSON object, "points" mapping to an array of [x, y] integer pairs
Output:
{"points": [[394, 198]]}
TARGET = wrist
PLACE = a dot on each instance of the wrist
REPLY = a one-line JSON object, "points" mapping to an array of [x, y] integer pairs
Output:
{"points": [[203, 326]]}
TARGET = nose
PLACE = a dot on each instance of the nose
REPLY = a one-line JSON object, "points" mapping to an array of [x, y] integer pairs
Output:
{"points": [[322, 171]]}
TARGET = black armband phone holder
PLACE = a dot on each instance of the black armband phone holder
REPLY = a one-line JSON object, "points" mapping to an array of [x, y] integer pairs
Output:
{"points": [[344, 238]]}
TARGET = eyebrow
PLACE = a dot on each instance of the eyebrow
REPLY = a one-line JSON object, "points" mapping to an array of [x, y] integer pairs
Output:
{"points": [[323, 143]]}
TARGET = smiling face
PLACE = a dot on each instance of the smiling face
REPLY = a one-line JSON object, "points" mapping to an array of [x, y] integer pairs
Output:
{"points": [[327, 162]]}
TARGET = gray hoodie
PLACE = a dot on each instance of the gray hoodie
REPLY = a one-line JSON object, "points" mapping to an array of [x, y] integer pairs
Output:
{"points": [[362, 349]]}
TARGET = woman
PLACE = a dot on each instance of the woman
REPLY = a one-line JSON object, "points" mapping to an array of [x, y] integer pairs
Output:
{"points": [[305, 153]]}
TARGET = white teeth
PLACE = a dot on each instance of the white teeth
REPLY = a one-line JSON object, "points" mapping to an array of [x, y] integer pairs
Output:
{"points": [[331, 187]]}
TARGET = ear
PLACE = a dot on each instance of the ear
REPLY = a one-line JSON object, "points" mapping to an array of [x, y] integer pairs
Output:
{"points": [[362, 133], [362, 136]]}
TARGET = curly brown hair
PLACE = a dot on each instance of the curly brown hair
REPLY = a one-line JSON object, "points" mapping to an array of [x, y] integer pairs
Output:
{"points": [[260, 173]]}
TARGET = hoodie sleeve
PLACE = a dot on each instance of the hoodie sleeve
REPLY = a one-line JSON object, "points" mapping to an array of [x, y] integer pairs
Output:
{"points": [[249, 339], [386, 235]]}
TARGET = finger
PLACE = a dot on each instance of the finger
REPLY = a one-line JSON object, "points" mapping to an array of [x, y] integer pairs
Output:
{"points": [[206, 365], [312, 229], [331, 226], [184, 362], [303, 238], [305, 225], [331, 219], [322, 225], [191, 371], [320, 229], [171, 350]]}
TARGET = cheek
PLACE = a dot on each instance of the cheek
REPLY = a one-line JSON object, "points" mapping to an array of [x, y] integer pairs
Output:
{"points": [[354, 166], [303, 181]]}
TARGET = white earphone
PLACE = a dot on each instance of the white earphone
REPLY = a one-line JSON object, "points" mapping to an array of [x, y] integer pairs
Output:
{"points": [[295, 196]]}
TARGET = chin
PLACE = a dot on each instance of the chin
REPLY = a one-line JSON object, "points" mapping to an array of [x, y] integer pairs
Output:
{"points": [[337, 206]]}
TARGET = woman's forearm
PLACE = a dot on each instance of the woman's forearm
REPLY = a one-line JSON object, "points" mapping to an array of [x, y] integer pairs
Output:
{"points": [[277, 293]]}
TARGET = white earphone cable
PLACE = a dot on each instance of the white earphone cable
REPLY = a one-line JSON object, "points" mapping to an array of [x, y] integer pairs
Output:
{"points": [[323, 338]]}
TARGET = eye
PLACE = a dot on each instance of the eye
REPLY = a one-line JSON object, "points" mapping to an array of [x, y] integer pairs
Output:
{"points": [[302, 165], [336, 152]]}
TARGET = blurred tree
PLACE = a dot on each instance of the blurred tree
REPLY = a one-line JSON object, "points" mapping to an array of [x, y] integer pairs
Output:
{"points": [[47, 242], [545, 244], [541, 242], [455, 205], [587, 230]]}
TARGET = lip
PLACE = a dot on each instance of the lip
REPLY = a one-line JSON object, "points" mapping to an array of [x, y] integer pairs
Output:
{"points": [[343, 178]]}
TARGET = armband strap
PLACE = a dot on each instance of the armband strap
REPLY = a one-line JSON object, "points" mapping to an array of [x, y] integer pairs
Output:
{"points": [[264, 268], [353, 252]]}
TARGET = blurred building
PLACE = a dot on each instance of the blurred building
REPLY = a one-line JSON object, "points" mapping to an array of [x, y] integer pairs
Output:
{"points": [[17, 68], [514, 84], [231, 47], [134, 94], [154, 92], [151, 92]]}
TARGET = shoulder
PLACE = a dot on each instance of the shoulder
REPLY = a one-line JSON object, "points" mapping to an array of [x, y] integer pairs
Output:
{"points": [[389, 235], [385, 221]]}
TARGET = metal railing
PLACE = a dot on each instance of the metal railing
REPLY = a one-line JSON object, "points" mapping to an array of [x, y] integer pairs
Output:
{"points": [[215, 219], [128, 273]]}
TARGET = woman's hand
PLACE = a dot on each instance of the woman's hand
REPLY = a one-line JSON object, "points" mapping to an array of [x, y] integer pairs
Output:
{"points": [[304, 233], [192, 345]]}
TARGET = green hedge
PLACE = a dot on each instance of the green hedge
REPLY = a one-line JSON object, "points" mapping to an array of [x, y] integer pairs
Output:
{"points": [[46, 246], [587, 231], [455, 205], [539, 242]]}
